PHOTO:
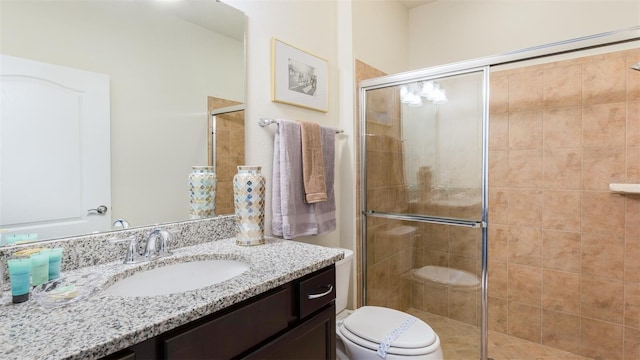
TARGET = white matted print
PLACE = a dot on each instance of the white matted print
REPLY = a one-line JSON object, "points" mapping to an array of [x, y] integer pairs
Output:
{"points": [[298, 77]]}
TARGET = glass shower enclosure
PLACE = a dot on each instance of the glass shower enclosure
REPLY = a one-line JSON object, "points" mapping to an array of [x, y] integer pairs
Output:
{"points": [[424, 167]]}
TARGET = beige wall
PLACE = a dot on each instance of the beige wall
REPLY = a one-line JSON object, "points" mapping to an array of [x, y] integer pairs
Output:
{"points": [[310, 26], [449, 31], [381, 34]]}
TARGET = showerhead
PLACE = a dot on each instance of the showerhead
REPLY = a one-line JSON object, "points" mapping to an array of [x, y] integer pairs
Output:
{"points": [[636, 67]]}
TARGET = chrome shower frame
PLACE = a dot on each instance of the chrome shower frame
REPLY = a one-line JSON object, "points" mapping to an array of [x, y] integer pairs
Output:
{"points": [[481, 64]]}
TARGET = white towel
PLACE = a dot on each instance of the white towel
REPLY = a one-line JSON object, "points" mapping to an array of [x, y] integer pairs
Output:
{"points": [[292, 217]]}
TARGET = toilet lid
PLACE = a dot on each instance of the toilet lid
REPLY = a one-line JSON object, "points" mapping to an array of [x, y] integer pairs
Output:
{"points": [[370, 325]]}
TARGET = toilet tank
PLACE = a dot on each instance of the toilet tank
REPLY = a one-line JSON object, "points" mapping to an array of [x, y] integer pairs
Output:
{"points": [[343, 275]]}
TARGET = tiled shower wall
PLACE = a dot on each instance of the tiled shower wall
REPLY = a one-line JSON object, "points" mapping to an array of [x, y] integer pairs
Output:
{"points": [[229, 152], [564, 256]]}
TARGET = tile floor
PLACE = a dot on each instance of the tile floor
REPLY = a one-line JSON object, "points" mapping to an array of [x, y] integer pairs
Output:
{"points": [[461, 341]]}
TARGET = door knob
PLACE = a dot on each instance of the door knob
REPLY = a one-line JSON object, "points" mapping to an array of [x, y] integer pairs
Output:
{"points": [[100, 210]]}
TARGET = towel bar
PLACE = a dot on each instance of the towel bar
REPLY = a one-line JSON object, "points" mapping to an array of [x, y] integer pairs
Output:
{"points": [[266, 121]]}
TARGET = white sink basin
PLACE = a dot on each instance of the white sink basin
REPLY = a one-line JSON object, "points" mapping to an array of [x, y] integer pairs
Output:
{"points": [[176, 278]]}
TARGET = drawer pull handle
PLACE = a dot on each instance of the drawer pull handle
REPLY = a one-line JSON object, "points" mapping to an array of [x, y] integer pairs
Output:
{"points": [[315, 296]]}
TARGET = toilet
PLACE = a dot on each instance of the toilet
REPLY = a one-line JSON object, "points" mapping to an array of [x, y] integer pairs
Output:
{"points": [[373, 332]]}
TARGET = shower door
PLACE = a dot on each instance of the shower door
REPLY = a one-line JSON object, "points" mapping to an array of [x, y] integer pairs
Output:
{"points": [[424, 170]]}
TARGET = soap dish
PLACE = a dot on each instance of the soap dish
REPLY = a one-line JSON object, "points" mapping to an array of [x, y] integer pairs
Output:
{"points": [[64, 290]]}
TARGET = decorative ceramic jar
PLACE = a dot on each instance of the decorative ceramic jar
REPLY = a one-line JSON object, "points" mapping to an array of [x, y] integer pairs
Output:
{"points": [[202, 192], [249, 199]]}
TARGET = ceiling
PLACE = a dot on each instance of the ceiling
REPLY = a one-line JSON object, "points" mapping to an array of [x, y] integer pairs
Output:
{"points": [[410, 4]]}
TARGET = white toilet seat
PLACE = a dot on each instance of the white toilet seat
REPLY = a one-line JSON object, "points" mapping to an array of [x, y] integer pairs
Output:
{"points": [[368, 326]]}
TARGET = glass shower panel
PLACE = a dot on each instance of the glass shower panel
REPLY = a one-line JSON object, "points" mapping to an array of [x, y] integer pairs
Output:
{"points": [[431, 271], [424, 147]]}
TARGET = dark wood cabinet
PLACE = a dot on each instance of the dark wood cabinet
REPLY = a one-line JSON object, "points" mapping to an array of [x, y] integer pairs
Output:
{"points": [[293, 321]]}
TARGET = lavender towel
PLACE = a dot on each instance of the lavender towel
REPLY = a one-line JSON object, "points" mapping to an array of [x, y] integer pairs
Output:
{"points": [[326, 210], [292, 217]]}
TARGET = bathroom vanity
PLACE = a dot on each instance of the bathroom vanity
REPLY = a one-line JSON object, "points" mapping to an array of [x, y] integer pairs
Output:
{"points": [[281, 307], [293, 321]]}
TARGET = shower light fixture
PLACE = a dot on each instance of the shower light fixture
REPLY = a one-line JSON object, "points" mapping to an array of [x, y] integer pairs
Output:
{"points": [[413, 94]]}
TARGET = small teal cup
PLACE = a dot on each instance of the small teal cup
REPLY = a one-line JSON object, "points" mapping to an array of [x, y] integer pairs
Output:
{"points": [[20, 275], [55, 260], [39, 268]]}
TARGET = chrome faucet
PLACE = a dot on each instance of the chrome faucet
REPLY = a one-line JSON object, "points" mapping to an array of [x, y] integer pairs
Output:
{"points": [[157, 244]]}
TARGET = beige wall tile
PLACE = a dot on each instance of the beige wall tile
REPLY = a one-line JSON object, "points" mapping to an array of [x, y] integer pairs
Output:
{"points": [[497, 314], [600, 340], [525, 207], [562, 251], [417, 295], [498, 280], [633, 78], [436, 299], [603, 213], [525, 284], [632, 208], [463, 306], [436, 238], [526, 91], [498, 168], [633, 164], [602, 299], [602, 166], [563, 169], [603, 255], [632, 305], [525, 246], [603, 125], [498, 212], [525, 168], [526, 321], [498, 237], [562, 210], [499, 101], [525, 130], [604, 81], [561, 330], [632, 261], [468, 264], [561, 291], [631, 344], [633, 123], [563, 86], [562, 128], [499, 130]]}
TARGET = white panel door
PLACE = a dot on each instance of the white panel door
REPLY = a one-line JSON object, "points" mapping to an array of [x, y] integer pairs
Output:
{"points": [[55, 149]]}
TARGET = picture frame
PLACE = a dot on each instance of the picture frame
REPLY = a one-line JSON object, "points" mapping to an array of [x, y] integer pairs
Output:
{"points": [[298, 77]]}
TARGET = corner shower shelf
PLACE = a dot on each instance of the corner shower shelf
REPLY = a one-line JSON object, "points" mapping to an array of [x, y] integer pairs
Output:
{"points": [[625, 188]]}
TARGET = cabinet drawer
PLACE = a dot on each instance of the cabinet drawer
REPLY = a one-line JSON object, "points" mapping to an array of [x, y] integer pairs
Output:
{"points": [[230, 334], [317, 291]]}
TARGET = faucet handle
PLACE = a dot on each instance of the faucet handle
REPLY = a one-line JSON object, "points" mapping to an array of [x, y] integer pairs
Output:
{"points": [[165, 241], [130, 258], [155, 248]]}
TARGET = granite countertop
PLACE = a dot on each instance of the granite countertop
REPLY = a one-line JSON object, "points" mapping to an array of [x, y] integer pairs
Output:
{"points": [[102, 323]]}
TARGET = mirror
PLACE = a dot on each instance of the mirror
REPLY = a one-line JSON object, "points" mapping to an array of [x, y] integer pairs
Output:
{"points": [[169, 64]]}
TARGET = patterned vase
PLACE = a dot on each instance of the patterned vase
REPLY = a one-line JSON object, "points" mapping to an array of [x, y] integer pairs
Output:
{"points": [[248, 198], [202, 192]]}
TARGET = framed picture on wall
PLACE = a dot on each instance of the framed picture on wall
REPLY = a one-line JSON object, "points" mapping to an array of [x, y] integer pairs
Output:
{"points": [[298, 77]]}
